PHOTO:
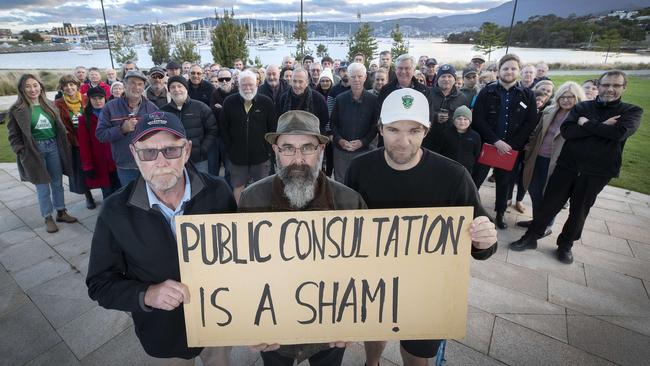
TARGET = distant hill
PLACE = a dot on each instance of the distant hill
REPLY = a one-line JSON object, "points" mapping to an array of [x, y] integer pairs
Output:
{"points": [[435, 25]]}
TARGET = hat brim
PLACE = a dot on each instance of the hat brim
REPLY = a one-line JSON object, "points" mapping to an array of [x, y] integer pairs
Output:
{"points": [[272, 137], [142, 134]]}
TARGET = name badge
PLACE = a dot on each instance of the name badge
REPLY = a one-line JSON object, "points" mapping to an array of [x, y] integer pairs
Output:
{"points": [[523, 105]]}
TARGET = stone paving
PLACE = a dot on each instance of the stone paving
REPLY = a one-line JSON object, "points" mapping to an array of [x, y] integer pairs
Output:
{"points": [[525, 308]]}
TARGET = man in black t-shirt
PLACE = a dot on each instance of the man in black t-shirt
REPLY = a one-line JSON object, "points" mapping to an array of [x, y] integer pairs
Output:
{"points": [[402, 174]]}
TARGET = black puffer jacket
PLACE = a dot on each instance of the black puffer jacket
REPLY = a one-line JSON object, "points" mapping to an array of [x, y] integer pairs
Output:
{"points": [[243, 133], [200, 126], [596, 148]]}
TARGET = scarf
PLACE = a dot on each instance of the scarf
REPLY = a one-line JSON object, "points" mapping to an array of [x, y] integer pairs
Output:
{"points": [[304, 101], [73, 105]]}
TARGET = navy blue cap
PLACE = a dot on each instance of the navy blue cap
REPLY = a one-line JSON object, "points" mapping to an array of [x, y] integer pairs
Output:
{"points": [[158, 121], [446, 69]]}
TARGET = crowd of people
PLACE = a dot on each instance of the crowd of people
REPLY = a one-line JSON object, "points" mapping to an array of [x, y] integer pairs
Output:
{"points": [[307, 135]]}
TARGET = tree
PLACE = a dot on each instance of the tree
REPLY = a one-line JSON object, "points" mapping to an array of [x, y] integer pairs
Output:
{"points": [[300, 34], [33, 37], [489, 39], [185, 50], [610, 42], [159, 50], [362, 42], [256, 63], [399, 46], [228, 40], [321, 50], [123, 48]]}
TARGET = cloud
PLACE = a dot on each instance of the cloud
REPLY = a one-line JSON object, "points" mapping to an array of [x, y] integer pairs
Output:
{"points": [[37, 13]]}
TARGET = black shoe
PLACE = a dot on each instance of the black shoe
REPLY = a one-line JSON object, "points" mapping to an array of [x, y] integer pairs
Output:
{"points": [[90, 201], [547, 233], [500, 223], [525, 242], [565, 256], [525, 224]]}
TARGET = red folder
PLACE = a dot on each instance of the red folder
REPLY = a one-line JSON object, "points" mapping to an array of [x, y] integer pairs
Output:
{"points": [[491, 157]]}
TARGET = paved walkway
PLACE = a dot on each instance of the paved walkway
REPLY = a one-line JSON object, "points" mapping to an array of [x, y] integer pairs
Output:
{"points": [[525, 308]]}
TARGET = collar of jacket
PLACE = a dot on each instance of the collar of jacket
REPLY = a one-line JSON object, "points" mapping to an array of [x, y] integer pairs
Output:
{"points": [[602, 104], [517, 87], [139, 198], [323, 197], [454, 91]]}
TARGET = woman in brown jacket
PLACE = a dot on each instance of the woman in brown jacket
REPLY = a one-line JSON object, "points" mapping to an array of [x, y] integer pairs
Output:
{"points": [[71, 106], [38, 137], [545, 144]]}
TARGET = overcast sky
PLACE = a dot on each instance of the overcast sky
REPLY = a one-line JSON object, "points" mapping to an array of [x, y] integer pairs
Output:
{"points": [[44, 14]]}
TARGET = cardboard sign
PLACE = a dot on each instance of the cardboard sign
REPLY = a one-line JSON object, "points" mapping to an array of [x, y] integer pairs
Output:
{"points": [[322, 276]]}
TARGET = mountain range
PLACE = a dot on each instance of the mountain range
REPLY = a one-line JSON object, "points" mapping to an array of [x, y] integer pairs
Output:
{"points": [[434, 25]]}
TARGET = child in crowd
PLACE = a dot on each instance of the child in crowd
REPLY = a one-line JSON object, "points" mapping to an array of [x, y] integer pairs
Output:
{"points": [[458, 142]]}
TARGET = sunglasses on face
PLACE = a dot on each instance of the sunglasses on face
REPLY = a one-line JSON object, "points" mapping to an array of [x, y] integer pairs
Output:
{"points": [[157, 76], [169, 152]]}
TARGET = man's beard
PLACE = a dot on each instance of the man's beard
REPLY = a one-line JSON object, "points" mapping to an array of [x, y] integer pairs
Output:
{"points": [[226, 88], [248, 96], [299, 182]]}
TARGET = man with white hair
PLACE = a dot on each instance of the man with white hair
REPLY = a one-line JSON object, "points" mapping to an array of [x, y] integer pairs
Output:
{"points": [[314, 70], [402, 174], [288, 62], [273, 86], [353, 121], [245, 118], [404, 78], [111, 76]]}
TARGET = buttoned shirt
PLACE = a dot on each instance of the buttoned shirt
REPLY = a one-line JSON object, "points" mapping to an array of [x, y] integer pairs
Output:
{"points": [[168, 213]]}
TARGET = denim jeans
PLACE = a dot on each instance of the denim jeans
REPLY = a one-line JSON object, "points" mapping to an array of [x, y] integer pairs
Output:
{"points": [[50, 194]]}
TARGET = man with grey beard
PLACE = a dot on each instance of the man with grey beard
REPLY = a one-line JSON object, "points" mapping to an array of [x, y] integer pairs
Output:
{"points": [[299, 185], [245, 118]]}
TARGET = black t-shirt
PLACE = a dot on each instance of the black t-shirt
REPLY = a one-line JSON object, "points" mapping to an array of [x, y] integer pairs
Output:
{"points": [[435, 181]]}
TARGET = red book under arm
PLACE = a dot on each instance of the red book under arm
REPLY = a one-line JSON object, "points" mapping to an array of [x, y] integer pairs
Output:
{"points": [[491, 157]]}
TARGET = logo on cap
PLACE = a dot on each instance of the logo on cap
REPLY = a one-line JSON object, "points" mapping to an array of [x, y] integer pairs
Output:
{"points": [[407, 101]]}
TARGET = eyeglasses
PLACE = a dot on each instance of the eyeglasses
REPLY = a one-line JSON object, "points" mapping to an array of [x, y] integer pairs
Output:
{"points": [[308, 149], [196, 73], [615, 86], [157, 76], [169, 152], [221, 80]]}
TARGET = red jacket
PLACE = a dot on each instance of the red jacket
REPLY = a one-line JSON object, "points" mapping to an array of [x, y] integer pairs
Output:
{"points": [[84, 88], [67, 120], [94, 154]]}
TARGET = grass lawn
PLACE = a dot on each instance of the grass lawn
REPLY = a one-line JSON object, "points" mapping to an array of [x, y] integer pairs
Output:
{"points": [[635, 173]]}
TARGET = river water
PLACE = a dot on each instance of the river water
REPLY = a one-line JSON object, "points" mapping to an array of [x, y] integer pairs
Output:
{"points": [[443, 52]]}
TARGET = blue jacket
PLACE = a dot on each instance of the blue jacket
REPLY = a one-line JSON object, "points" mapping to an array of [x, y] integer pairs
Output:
{"points": [[114, 113]]}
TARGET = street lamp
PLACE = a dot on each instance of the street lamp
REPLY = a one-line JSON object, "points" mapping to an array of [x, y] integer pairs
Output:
{"points": [[108, 39], [512, 22]]}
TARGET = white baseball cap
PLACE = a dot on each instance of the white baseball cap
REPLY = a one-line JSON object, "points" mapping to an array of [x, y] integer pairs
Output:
{"points": [[405, 104]]}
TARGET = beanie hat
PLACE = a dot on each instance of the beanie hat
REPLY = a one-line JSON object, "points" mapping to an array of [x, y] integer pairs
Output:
{"points": [[446, 69], [326, 73], [464, 112], [177, 79], [96, 91]]}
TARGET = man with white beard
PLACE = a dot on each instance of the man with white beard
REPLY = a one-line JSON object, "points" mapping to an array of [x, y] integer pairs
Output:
{"points": [[244, 120], [299, 185], [197, 118]]}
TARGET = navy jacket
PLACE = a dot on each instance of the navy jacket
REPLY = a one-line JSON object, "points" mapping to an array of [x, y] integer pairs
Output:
{"points": [[522, 115]]}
